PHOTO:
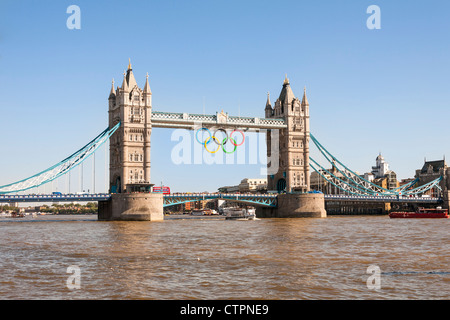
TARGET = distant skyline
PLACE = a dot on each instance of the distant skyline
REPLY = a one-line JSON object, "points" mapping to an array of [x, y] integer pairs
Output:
{"points": [[370, 91]]}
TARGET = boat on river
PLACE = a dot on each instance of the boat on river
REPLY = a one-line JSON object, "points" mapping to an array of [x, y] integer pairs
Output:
{"points": [[17, 215], [240, 213], [421, 213]]}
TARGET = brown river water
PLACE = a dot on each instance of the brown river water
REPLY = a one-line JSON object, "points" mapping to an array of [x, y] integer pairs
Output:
{"points": [[78, 257]]}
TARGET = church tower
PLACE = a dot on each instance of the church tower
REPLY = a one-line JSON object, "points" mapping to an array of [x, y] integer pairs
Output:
{"points": [[293, 149], [130, 144]]}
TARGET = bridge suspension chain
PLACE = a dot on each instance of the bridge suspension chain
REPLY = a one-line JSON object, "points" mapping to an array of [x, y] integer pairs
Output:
{"points": [[370, 187], [357, 185], [61, 167], [343, 185]]}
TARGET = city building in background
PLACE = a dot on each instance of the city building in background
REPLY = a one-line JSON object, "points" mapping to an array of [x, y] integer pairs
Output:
{"points": [[247, 185], [432, 170], [380, 175]]}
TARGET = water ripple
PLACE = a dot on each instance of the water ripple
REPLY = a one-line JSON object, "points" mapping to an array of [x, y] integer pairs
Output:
{"points": [[217, 259]]}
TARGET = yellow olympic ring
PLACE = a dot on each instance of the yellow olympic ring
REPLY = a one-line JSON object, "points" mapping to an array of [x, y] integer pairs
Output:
{"points": [[206, 142]]}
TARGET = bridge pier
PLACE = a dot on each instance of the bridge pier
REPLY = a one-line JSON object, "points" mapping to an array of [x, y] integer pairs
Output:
{"points": [[291, 205], [132, 207], [446, 199], [349, 207]]}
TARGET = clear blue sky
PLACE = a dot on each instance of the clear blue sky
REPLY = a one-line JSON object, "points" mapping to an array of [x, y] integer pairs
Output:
{"points": [[369, 91]]}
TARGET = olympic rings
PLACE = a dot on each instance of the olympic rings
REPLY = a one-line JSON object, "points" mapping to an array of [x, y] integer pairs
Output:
{"points": [[223, 130], [196, 134], [206, 142], [223, 145], [217, 141], [243, 137]]}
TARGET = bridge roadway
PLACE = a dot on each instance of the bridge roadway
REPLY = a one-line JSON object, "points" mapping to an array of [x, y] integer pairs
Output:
{"points": [[268, 200]]}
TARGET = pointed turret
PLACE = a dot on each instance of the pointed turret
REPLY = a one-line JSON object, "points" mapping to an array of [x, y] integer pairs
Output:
{"points": [[131, 81], [305, 99], [268, 105], [125, 82], [112, 94], [286, 95], [147, 86], [269, 110]]}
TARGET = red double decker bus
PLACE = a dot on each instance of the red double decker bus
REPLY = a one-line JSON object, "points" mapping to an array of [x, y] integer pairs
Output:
{"points": [[163, 190]]}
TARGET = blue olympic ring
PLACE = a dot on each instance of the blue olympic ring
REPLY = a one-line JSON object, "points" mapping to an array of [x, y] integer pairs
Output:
{"points": [[203, 129]]}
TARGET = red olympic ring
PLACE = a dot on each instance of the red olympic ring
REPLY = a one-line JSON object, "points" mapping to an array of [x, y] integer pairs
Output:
{"points": [[243, 138]]}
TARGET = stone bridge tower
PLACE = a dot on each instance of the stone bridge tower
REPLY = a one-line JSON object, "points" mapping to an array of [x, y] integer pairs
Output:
{"points": [[291, 178], [293, 172], [130, 144], [129, 155]]}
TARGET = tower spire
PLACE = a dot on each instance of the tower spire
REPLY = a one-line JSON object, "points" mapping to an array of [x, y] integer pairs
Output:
{"points": [[113, 92], [268, 100], [147, 86], [131, 81], [305, 99], [125, 83]]}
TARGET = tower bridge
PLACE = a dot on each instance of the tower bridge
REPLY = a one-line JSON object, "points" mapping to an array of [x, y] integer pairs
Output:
{"points": [[287, 128]]}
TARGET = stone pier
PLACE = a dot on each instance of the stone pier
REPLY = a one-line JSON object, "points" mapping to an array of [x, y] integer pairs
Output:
{"points": [[132, 207], [446, 198], [291, 205]]}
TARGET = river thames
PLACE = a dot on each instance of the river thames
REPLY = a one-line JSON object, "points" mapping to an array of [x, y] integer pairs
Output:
{"points": [[279, 259]]}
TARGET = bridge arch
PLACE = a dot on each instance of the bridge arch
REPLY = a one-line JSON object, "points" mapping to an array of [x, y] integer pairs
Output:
{"points": [[281, 185]]}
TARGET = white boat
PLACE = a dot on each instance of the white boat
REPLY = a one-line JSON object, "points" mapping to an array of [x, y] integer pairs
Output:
{"points": [[240, 214]]}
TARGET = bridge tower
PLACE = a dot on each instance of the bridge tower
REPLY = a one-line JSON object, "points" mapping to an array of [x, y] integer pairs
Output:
{"points": [[130, 144], [293, 164], [129, 170], [292, 178]]}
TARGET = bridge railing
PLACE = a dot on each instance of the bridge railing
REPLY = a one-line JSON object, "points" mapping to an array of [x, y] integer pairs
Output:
{"points": [[381, 198], [54, 197], [249, 198]]}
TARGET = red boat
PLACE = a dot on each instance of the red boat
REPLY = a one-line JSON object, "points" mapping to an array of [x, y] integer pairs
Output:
{"points": [[421, 213]]}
